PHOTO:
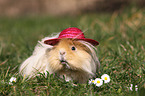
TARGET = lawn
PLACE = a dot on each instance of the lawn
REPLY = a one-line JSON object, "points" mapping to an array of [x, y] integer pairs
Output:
{"points": [[121, 52]]}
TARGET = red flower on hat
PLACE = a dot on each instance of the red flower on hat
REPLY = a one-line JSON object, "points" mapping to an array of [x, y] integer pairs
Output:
{"points": [[72, 32]]}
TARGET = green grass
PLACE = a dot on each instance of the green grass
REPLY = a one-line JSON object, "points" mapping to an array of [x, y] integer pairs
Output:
{"points": [[121, 52]]}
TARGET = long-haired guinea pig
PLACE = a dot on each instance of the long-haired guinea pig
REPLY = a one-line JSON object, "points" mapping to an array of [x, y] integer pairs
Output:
{"points": [[76, 60]]}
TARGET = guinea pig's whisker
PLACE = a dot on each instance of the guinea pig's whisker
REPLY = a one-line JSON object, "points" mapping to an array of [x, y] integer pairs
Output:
{"points": [[81, 33]]}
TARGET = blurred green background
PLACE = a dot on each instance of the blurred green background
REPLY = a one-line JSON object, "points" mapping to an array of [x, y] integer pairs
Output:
{"points": [[118, 25]]}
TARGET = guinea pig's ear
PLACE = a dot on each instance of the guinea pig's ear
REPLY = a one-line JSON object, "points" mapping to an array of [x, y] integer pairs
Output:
{"points": [[82, 46], [53, 43]]}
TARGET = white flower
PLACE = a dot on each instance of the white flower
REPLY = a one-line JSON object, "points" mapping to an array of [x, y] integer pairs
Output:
{"points": [[91, 81], [106, 78], [136, 88], [13, 79], [98, 82], [132, 86]]}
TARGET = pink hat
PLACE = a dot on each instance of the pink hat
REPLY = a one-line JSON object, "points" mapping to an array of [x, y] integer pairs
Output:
{"points": [[73, 33]]}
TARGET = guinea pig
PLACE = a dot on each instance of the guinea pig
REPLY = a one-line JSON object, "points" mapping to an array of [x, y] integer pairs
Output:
{"points": [[76, 60]]}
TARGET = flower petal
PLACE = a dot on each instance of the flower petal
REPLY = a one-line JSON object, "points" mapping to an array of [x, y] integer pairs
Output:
{"points": [[106, 78], [98, 82], [13, 79]]}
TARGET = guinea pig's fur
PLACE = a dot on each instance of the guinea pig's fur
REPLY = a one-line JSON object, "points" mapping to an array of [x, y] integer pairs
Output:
{"points": [[76, 60]]}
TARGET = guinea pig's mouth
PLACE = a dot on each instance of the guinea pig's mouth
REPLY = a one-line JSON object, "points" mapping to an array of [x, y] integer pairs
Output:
{"points": [[65, 63]]}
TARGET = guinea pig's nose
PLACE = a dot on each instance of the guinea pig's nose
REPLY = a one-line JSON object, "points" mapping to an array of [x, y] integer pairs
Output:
{"points": [[62, 53]]}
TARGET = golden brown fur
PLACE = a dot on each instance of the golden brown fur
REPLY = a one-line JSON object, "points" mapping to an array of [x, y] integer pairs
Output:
{"points": [[78, 65]]}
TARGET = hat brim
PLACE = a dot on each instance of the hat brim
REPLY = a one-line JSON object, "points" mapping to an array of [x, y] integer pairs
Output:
{"points": [[56, 40]]}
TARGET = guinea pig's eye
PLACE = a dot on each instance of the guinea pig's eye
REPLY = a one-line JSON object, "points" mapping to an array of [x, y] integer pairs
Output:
{"points": [[73, 48]]}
